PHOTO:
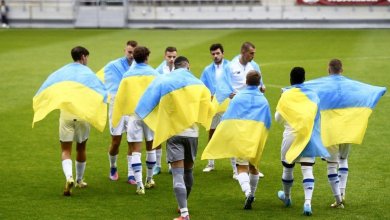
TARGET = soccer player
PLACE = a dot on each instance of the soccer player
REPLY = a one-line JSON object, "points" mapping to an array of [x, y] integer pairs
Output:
{"points": [[210, 77], [239, 67], [178, 101], [181, 153], [133, 85], [242, 134], [345, 108], [165, 67], [248, 175], [113, 73], [298, 111], [62, 91], [73, 128]]}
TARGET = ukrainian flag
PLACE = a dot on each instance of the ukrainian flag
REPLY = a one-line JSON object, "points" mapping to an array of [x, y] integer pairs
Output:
{"points": [[75, 89], [223, 89], [112, 74], [132, 87], [174, 102], [299, 107], [345, 108], [244, 128]]}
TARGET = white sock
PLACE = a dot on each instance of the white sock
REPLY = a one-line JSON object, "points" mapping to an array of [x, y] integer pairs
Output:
{"points": [[80, 168], [137, 167], [112, 160], [211, 163], [130, 171], [287, 180], [243, 179], [184, 212], [253, 180], [150, 163], [308, 183], [343, 175], [233, 163], [67, 168], [334, 181], [158, 157]]}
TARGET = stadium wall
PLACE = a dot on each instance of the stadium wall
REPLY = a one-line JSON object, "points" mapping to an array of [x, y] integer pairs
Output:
{"points": [[192, 14]]}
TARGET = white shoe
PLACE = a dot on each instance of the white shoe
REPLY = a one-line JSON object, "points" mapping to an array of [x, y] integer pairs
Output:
{"points": [[150, 184], [81, 184], [336, 205], [208, 168], [68, 186], [261, 175], [140, 191]]}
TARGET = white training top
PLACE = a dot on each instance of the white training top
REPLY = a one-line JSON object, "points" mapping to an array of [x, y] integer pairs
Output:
{"points": [[166, 69], [239, 73], [218, 71]]}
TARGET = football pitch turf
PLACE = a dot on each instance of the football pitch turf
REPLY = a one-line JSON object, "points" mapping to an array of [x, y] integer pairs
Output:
{"points": [[31, 177]]}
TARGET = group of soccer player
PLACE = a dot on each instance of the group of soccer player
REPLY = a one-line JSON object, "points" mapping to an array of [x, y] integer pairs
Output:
{"points": [[243, 73]]}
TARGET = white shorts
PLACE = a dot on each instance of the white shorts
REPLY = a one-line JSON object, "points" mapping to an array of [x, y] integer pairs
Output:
{"points": [[303, 160], [242, 162], [288, 139], [122, 125], [137, 130], [337, 152], [216, 120], [74, 130]]}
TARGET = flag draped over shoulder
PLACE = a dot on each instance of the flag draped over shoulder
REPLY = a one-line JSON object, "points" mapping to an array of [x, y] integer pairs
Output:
{"points": [[244, 128], [345, 108], [221, 88], [173, 103], [132, 87], [75, 89], [299, 107], [208, 76], [112, 74]]}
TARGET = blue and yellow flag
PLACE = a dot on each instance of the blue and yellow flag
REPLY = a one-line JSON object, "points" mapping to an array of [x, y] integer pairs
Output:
{"points": [[223, 89], [132, 87], [75, 89], [243, 130], [208, 76], [174, 102], [111, 74], [345, 108], [299, 107]]}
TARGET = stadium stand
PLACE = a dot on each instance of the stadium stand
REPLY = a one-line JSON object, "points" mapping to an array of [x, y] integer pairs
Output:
{"points": [[192, 14]]}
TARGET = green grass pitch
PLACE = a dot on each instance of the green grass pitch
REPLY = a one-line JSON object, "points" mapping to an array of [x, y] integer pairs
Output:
{"points": [[31, 178]]}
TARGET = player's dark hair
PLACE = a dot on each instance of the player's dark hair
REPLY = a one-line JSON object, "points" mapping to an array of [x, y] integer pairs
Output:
{"points": [[181, 62], [297, 75], [132, 43], [246, 46], [335, 66], [216, 47], [78, 52], [253, 78], [170, 49], [141, 54]]}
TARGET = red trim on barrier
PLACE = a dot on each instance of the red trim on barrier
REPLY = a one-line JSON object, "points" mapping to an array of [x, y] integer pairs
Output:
{"points": [[344, 2]]}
